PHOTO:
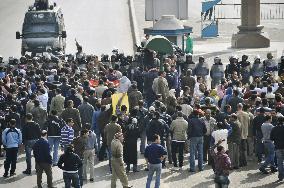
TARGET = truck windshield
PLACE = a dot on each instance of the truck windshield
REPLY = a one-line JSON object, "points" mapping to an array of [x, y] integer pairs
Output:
{"points": [[40, 30], [40, 17]]}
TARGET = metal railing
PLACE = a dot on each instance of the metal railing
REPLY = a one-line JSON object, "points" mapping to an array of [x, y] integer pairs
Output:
{"points": [[268, 11]]}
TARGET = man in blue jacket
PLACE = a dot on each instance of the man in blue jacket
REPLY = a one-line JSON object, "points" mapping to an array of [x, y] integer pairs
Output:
{"points": [[154, 155], [43, 159], [196, 131], [11, 139]]}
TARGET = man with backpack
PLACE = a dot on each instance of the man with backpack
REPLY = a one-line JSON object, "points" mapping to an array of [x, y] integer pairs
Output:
{"points": [[53, 125], [11, 139]]}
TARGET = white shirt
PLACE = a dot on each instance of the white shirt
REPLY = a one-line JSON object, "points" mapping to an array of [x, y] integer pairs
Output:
{"points": [[43, 99], [221, 134], [186, 109], [124, 85]]}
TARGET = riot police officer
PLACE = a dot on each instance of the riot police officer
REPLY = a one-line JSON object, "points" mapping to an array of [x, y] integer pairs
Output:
{"points": [[189, 63], [281, 68], [270, 64], [1, 58], [232, 66], [41, 4], [201, 68], [217, 72], [245, 70], [257, 69]]}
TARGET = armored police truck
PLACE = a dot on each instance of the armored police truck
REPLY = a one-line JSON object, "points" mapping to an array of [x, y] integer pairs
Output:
{"points": [[43, 29]]}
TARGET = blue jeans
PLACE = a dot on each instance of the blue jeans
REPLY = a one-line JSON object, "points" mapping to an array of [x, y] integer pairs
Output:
{"points": [[196, 144], [221, 181], [280, 159], [259, 146], [80, 174], [152, 169], [269, 159], [54, 146], [28, 149], [98, 144], [74, 177]]}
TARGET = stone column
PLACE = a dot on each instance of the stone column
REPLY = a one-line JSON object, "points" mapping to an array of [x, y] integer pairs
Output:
{"points": [[250, 33]]}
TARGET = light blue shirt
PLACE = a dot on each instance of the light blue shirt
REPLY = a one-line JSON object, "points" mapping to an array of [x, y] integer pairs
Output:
{"points": [[12, 137]]}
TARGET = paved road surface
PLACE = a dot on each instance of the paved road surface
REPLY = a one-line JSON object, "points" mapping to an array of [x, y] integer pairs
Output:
{"points": [[243, 178], [99, 25]]}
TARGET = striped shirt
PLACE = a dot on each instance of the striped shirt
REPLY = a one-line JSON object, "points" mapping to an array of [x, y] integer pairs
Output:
{"points": [[67, 135]]}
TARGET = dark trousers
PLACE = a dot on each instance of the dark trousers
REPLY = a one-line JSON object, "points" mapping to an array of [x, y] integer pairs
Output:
{"points": [[44, 167], [177, 147], [243, 152], [11, 160], [206, 145], [71, 177], [28, 149], [102, 152]]}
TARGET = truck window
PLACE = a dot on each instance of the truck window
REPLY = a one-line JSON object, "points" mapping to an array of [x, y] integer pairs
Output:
{"points": [[40, 17], [40, 24]]}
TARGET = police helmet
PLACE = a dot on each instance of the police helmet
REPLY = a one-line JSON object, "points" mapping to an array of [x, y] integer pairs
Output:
{"points": [[217, 59], [235, 57], [257, 57]]}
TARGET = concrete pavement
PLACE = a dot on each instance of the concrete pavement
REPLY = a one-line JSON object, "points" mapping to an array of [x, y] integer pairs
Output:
{"points": [[220, 46], [247, 177]]}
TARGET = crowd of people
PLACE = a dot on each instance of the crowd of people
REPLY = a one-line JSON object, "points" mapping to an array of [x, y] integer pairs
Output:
{"points": [[51, 103]]}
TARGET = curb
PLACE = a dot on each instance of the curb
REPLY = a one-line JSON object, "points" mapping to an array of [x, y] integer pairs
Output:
{"points": [[134, 25]]}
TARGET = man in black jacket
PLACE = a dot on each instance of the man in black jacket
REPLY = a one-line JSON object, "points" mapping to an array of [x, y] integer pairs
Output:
{"points": [[53, 125], [196, 131], [43, 160], [31, 133], [155, 127], [276, 135], [256, 126], [72, 163]]}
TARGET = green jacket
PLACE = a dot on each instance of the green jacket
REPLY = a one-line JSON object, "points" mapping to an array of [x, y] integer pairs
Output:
{"points": [[189, 45]]}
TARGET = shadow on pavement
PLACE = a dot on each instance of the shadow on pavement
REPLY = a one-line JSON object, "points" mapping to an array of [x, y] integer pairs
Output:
{"points": [[271, 185], [253, 177], [204, 184], [54, 183], [11, 179], [181, 175]]}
